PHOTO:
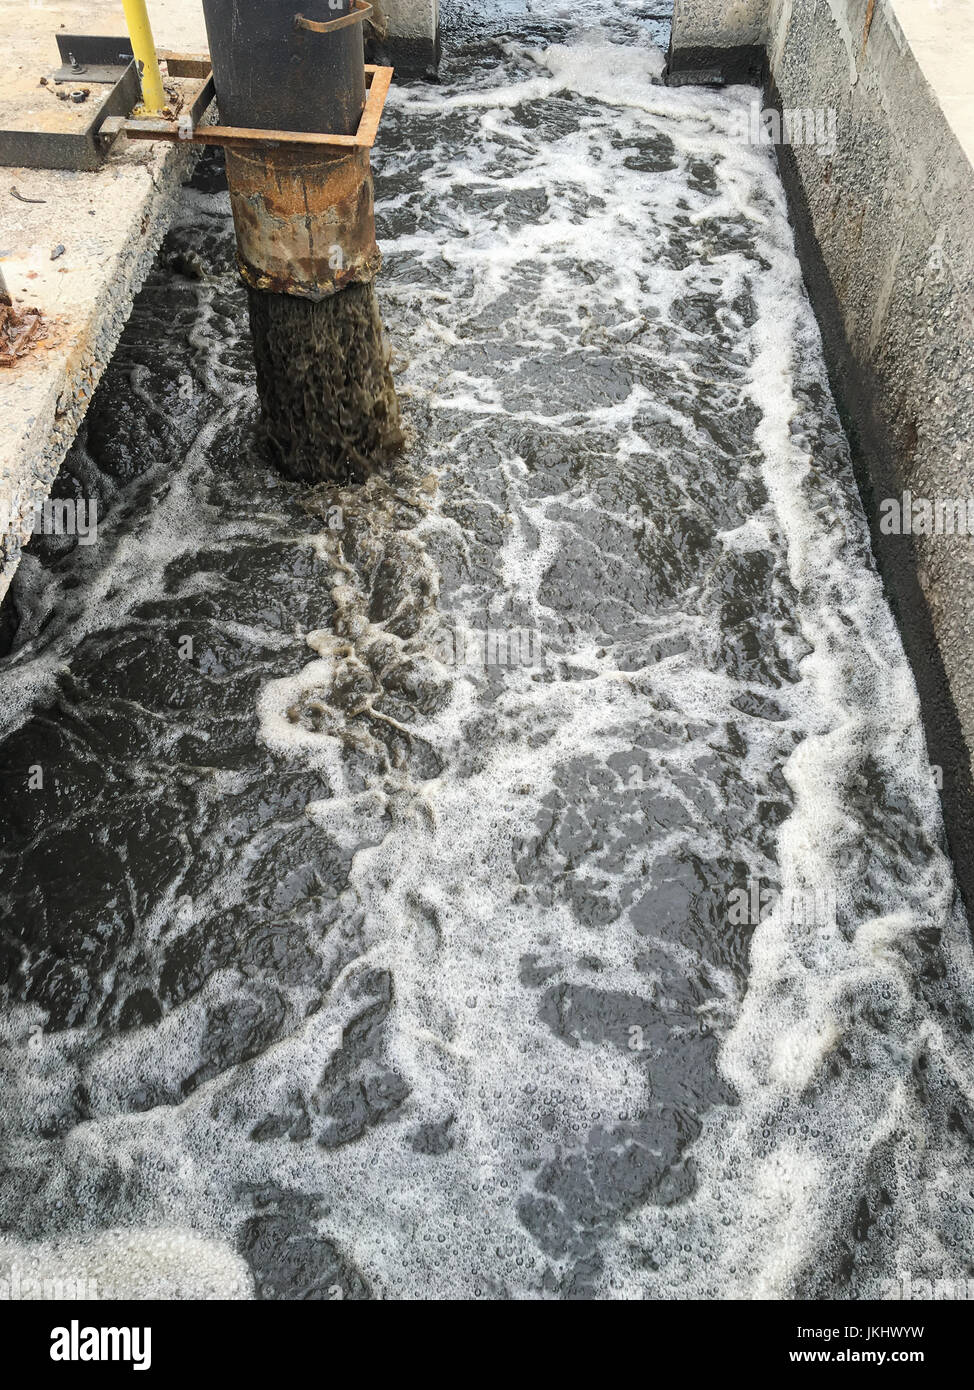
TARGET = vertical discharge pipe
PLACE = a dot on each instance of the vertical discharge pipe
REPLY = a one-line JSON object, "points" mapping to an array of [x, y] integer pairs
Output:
{"points": [[305, 229]]}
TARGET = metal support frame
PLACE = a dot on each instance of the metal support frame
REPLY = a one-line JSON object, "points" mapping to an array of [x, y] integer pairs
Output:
{"points": [[302, 201], [281, 181], [79, 149], [378, 81], [101, 60]]}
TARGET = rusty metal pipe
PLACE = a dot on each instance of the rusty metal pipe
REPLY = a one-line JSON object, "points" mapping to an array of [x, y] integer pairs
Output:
{"points": [[304, 221], [305, 229], [305, 226]]}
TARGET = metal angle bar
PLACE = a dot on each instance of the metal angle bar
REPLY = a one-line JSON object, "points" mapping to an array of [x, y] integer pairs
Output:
{"points": [[186, 64], [230, 136], [201, 102], [81, 150], [95, 50], [239, 136], [375, 101]]}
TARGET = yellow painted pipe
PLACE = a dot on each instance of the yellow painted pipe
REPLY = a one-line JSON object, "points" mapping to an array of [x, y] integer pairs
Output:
{"points": [[140, 32]]}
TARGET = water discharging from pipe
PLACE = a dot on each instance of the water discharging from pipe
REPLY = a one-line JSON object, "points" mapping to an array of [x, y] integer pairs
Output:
{"points": [[328, 403], [519, 875]]}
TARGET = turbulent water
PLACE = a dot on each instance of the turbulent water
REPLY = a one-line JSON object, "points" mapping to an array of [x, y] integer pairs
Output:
{"points": [[328, 402], [523, 876]]}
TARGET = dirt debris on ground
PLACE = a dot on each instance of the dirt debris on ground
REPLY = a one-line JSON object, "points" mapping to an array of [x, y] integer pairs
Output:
{"points": [[20, 330]]}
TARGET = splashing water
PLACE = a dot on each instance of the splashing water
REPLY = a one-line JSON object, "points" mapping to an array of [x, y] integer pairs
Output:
{"points": [[520, 876]]}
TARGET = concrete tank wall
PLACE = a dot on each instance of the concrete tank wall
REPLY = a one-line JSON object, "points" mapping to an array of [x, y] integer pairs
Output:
{"points": [[720, 40], [409, 36], [885, 226]]}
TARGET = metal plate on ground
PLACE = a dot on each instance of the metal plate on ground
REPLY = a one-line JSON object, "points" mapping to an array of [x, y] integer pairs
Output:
{"points": [[65, 136], [60, 142], [92, 58]]}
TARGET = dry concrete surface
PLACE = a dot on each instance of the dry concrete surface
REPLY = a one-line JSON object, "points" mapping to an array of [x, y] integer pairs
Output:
{"points": [[110, 224]]}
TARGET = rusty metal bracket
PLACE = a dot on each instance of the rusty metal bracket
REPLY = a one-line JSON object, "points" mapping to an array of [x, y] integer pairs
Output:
{"points": [[358, 15], [378, 81]]}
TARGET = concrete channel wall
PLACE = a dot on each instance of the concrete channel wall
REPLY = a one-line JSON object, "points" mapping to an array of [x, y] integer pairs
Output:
{"points": [[719, 40], [884, 217], [409, 36], [75, 245]]}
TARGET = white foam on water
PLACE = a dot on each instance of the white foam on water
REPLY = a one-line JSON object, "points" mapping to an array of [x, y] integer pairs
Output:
{"points": [[435, 896], [141, 1265]]}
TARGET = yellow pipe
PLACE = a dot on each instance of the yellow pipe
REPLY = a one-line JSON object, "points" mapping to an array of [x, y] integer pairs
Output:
{"points": [[140, 32]]}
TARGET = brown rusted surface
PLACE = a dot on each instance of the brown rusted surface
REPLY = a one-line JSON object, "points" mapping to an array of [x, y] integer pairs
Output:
{"points": [[185, 64], [361, 10], [305, 225], [870, 11], [20, 330], [381, 80]]}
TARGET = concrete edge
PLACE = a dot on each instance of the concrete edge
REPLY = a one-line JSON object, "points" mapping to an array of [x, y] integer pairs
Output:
{"points": [[411, 56], [59, 417], [406, 36], [706, 66]]}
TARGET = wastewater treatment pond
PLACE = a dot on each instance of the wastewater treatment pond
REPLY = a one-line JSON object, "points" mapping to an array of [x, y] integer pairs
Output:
{"points": [[521, 876]]}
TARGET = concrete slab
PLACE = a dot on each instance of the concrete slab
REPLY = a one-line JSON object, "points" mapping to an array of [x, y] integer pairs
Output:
{"points": [[110, 224]]}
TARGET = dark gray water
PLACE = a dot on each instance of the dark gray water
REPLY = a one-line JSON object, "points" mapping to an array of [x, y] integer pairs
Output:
{"points": [[522, 877]]}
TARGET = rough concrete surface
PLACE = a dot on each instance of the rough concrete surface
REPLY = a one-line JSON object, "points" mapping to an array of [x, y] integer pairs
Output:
{"points": [[893, 213], [110, 224], [411, 36], [418, 19], [720, 22], [719, 40]]}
